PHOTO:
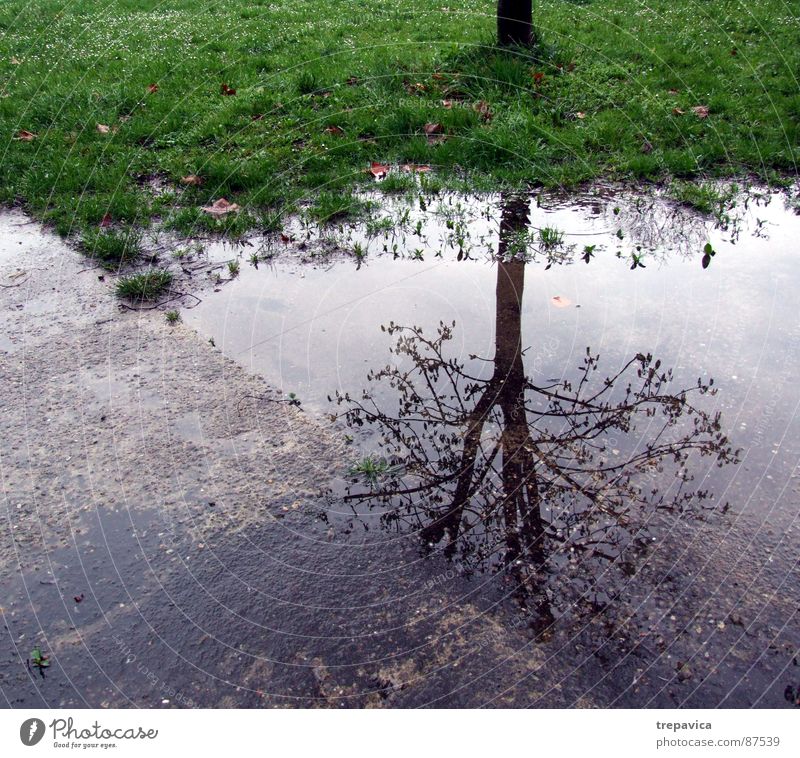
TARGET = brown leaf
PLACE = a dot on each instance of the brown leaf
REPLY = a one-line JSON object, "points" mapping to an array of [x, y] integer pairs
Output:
{"points": [[581, 115], [15, 61], [105, 222], [673, 92], [220, 208], [538, 79], [352, 81], [26, 136], [414, 168], [378, 170], [152, 89], [647, 147], [701, 111], [226, 90], [447, 104], [431, 129], [483, 109], [678, 112], [286, 238], [192, 180], [103, 128], [337, 130], [415, 88]]}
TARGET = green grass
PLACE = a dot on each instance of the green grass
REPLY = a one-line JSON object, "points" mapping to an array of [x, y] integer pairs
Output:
{"points": [[144, 286], [112, 247], [324, 88]]}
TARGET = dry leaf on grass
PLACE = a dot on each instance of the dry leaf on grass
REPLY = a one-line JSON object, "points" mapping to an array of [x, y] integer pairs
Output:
{"points": [[192, 180], [105, 222], [414, 168], [378, 170], [226, 90], [701, 111], [25, 135], [152, 89], [103, 128], [221, 208]]}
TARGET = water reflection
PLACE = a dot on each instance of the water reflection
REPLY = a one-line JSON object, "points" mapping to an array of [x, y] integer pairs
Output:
{"points": [[557, 484]]}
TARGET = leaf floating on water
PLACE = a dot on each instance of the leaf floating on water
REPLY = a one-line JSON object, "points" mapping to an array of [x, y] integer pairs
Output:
{"points": [[221, 207], [560, 302]]}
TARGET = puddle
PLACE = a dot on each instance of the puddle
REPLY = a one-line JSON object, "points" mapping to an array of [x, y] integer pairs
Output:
{"points": [[570, 393]]}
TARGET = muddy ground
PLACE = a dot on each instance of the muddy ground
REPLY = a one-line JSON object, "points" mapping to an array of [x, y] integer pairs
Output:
{"points": [[166, 543]]}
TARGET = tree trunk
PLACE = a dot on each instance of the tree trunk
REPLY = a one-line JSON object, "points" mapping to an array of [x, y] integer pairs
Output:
{"points": [[514, 22]]}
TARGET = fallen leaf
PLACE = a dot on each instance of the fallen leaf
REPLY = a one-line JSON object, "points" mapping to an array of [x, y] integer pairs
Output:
{"points": [[677, 112], [673, 92], [378, 170], [538, 78], [15, 61], [103, 128], [220, 208], [437, 76], [152, 89], [192, 180], [483, 109], [560, 302], [352, 81], [257, 117], [414, 168], [581, 115], [435, 133], [647, 146], [337, 130], [447, 104], [105, 222], [79, 598], [226, 90], [701, 111], [25, 135], [286, 238]]}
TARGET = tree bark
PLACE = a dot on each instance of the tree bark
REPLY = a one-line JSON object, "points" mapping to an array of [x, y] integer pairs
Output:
{"points": [[514, 22]]}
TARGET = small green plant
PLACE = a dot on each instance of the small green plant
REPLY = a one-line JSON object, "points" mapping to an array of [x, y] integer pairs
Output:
{"points": [[39, 659], [550, 237], [233, 268], [370, 468], [708, 254], [173, 317], [145, 286]]}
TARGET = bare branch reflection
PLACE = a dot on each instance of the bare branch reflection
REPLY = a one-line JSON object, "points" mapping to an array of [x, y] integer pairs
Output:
{"points": [[551, 483]]}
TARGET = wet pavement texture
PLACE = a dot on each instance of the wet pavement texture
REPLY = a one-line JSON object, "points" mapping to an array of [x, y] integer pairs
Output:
{"points": [[568, 442]]}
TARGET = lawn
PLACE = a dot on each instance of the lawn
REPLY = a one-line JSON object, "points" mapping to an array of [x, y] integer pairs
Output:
{"points": [[273, 102]]}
